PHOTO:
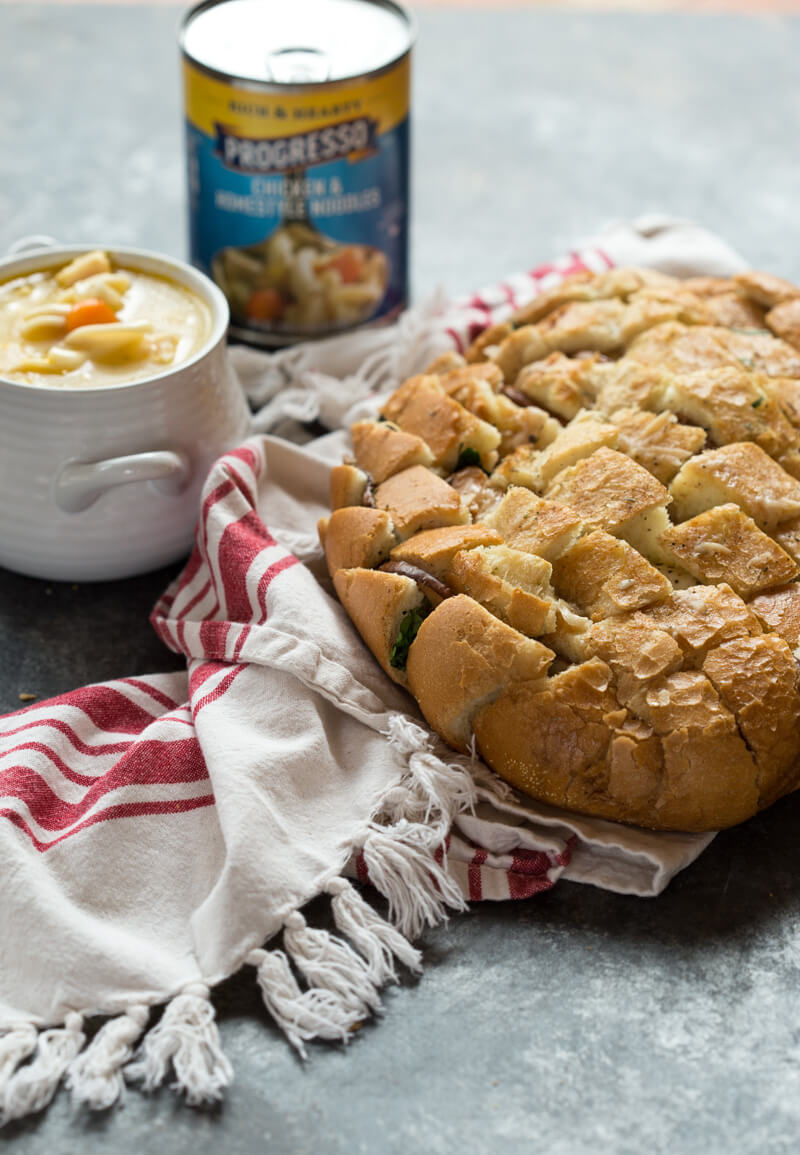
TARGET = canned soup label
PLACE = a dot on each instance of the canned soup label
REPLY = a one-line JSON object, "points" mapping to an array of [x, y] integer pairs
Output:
{"points": [[299, 199]]}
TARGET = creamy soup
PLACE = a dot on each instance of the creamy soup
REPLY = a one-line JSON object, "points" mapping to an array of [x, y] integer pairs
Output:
{"points": [[92, 322]]}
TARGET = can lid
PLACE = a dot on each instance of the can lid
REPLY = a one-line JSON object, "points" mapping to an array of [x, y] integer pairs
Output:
{"points": [[298, 43]]}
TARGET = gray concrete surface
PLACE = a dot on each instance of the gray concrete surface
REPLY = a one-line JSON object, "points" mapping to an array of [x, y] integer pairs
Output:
{"points": [[578, 1021]]}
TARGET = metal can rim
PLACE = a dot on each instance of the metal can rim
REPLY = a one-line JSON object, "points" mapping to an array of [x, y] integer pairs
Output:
{"points": [[251, 85]]}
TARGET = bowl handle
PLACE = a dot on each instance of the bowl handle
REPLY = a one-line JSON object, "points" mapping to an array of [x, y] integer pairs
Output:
{"points": [[81, 483], [29, 244]]}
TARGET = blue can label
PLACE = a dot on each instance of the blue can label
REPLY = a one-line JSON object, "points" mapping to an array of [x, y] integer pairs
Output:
{"points": [[299, 201]]}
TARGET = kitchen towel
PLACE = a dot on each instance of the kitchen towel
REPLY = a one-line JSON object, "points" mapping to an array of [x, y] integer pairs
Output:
{"points": [[163, 832]]}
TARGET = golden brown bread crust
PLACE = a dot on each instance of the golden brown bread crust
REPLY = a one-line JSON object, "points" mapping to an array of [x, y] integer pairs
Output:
{"points": [[357, 536], [481, 656], [377, 602], [639, 518], [382, 449]]}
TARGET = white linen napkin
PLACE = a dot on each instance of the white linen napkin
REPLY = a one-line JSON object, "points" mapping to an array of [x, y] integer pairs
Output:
{"points": [[162, 832]]}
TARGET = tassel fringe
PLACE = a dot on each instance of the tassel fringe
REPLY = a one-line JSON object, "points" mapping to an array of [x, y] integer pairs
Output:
{"points": [[331, 965], [301, 1015], [31, 1087], [187, 1039], [403, 849], [417, 888], [95, 1076], [16, 1045], [375, 939]]}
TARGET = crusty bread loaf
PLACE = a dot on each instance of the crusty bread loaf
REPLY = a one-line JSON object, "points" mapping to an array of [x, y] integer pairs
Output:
{"points": [[578, 546]]}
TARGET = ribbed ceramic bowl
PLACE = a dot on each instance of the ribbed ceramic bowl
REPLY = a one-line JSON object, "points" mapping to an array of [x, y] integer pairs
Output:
{"points": [[104, 482]]}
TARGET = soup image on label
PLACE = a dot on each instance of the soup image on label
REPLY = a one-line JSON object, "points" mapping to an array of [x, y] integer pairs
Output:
{"points": [[93, 323], [298, 279]]}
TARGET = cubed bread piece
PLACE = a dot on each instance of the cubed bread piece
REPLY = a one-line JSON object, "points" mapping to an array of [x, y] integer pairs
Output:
{"points": [[586, 286], [445, 363], [727, 305], [650, 307], [784, 321], [679, 578], [563, 385], [602, 575], [757, 680], [486, 342], [514, 585], [518, 348], [571, 634], [742, 473], [724, 544], [677, 348], [466, 375], [434, 549], [517, 468], [529, 523], [527, 427], [476, 387], [635, 771], [381, 449], [707, 286], [584, 325], [733, 405], [548, 740], [580, 438], [765, 288], [762, 352], [592, 325], [607, 490], [636, 651], [787, 535], [421, 406], [701, 618], [378, 602], [733, 311], [657, 441], [710, 778], [472, 390], [464, 657], [786, 391], [684, 699], [645, 532], [417, 499], [348, 486], [476, 490], [357, 537], [779, 610], [627, 384]]}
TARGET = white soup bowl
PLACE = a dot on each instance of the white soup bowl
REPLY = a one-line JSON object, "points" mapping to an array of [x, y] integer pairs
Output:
{"points": [[100, 482]]}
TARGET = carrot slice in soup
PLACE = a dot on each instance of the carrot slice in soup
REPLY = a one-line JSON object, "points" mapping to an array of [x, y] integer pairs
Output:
{"points": [[90, 311], [265, 305]]}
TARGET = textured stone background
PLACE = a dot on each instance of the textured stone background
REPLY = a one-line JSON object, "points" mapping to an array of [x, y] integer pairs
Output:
{"points": [[579, 1021]]}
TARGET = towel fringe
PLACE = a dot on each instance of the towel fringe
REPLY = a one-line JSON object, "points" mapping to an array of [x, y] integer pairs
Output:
{"points": [[301, 1015], [329, 964], [186, 1037], [417, 887], [434, 789], [95, 1075], [31, 1086], [405, 848], [376, 940], [16, 1045]]}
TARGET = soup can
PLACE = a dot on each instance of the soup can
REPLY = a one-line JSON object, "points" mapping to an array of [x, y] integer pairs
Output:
{"points": [[297, 135]]}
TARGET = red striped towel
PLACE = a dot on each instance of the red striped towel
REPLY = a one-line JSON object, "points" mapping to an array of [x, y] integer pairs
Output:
{"points": [[163, 830]]}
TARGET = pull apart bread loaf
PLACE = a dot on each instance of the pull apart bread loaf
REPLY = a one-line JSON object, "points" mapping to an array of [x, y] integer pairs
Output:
{"points": [[577, 546]]}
